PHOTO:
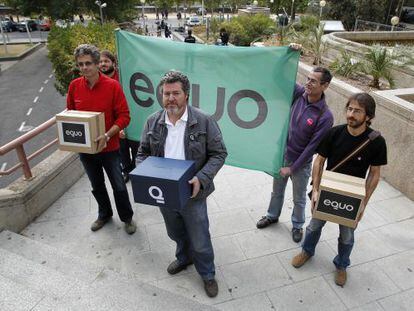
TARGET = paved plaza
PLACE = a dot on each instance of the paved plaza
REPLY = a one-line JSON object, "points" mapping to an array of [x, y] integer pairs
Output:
{"points": [[253, 266]]}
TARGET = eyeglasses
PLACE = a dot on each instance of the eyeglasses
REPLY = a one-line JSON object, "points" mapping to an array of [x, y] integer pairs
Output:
{"points": [[354, 110], [312, 81], [87, 64]]}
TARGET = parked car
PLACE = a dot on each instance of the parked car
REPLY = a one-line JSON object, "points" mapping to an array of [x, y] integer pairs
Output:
{"points": [[193, 21], [8, 25], [31, 24], [44, 25]]}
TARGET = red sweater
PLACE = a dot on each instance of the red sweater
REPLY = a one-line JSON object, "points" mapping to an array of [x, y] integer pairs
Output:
{"points": [[105, 96]]}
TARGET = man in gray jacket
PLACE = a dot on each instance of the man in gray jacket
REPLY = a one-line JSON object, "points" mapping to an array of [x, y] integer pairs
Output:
{"points": [[182, 132]]}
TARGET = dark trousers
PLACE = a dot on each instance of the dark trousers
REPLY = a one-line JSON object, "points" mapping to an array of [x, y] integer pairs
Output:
{"points": [[128, 151], [94, 165], [189, 228]]}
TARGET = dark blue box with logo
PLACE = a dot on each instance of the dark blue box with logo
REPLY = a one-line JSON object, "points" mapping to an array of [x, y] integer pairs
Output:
{"points": [[162, 182]]}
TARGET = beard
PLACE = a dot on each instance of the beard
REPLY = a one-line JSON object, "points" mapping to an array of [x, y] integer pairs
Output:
{"points": [[354, 123], [173, 110], [108, 71]]}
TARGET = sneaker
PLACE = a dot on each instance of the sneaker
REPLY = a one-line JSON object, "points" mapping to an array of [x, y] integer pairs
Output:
{"points": [[297, 235], [130, 227], [266, 221], [99, 223], [340, 277], [176, 267], [211, 288], [300, 259]]}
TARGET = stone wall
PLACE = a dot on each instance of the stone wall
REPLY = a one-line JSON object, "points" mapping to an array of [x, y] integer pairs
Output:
{"points": [[23, 201], [395, 121]]}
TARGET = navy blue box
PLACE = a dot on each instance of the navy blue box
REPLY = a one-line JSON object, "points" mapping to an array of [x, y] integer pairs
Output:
{"points": [[162, 182]]}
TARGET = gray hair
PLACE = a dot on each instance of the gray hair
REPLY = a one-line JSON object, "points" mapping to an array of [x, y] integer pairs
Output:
{"points": [[175, 76], [88, 49]]}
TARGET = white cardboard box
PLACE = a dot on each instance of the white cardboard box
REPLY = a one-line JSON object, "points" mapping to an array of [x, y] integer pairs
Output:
{"points": [[77, 130], [340, 198]]}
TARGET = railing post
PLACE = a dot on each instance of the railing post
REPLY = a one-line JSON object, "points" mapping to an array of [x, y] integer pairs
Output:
{"points": [[23, 159]]}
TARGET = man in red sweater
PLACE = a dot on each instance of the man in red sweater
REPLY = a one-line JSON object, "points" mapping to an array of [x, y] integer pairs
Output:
{"points": [[96, 92]]}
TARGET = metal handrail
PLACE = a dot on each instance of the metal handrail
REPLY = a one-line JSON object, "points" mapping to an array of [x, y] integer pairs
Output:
{"points": [[17, 144]]}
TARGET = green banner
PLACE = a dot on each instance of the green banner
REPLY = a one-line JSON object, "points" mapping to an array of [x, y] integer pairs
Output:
{"points": [[248, 90]]}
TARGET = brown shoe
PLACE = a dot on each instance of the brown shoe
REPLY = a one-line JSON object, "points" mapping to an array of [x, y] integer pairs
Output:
{"points": [[175, 267], [130, 227], [99, 223], [340, 277], [300, 259], [211, 288]]}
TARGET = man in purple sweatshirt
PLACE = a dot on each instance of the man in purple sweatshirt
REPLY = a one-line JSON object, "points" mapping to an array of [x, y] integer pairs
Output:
{"points": [[310, 120]]}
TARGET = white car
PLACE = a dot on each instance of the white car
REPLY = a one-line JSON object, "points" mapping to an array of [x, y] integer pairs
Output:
{"points": [[193, 21]]}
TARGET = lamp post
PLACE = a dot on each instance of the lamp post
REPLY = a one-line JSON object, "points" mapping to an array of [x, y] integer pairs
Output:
{"points": [[255, 3], [292, 18], [143, 16], [322, 5], [394, 21], [101, 6]]}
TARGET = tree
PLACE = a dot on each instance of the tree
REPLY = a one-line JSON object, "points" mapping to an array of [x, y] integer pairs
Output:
{"points": [[378, 63], [372, 10], [343, 10]]}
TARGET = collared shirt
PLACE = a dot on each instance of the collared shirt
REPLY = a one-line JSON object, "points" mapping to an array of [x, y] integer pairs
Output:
{"points": [[174, 143], [105, 96]]}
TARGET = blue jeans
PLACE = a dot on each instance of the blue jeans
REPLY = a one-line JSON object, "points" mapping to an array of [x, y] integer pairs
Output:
{"points": [[345, 242], [189, 228], [94, 165], [300, 182]]}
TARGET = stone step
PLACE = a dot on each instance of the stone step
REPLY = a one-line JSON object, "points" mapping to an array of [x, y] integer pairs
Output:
{"points": [[49, 256], [16, 297], [92, 287], [34, 276]]}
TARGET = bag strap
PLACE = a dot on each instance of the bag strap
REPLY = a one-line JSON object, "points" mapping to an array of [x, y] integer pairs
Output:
{"points": [[371, 136]]}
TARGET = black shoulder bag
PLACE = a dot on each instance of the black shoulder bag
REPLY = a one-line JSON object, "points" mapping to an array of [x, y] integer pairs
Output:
{"points": [[371, 136]]}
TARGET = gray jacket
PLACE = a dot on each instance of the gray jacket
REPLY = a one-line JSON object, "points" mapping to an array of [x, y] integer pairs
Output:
{"points": [[203, 143]]}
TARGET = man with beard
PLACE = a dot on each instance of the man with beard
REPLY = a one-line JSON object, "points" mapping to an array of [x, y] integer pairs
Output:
{"points": [[96, 92], [183, 132], [310, 120], [107, 65], [336, 145], [128, 148]]}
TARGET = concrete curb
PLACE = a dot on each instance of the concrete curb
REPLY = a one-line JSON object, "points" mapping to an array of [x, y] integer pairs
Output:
{"points": [[23, 54], [23, 201]]}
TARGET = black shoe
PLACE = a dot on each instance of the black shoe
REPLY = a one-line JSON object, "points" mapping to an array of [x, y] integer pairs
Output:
{"points": [[126, 177], [297, 235], [211, 288], [266, 221], [176, 267]]}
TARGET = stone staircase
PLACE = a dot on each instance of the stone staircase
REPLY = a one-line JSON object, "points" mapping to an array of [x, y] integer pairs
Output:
{"points": [[35, 276]]}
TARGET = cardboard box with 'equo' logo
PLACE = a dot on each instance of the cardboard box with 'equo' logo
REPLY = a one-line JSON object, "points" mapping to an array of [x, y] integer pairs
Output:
{"points": [[163, 182], [77, 130], [340, 198]]}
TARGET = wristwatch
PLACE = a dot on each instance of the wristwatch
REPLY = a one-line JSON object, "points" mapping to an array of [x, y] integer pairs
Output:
{"points": [[107, 137]]}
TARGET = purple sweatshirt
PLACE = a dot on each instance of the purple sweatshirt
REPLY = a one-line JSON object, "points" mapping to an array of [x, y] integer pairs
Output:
{"points": [[306, 128]]}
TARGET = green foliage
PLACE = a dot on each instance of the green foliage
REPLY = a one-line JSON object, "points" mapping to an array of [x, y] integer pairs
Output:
{"points": [[63, 41], [378, 63], [307, 23], [311, 40], [345, 65], [119, 10], [348, 10], [245, 29]]}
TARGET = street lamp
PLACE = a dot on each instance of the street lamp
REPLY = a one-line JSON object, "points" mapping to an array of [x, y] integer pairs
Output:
{"points": [[143, 16], [322, 5], [394, 22], [101, 6], [255, 3]]}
